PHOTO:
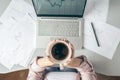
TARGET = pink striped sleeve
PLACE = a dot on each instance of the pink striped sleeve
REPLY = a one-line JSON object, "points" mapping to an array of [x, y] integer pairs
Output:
{"points": [[35, 71], [86, 70]]}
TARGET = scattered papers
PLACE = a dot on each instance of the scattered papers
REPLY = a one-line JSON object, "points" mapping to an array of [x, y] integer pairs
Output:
{"points": [[17, 34], [108, 35]]}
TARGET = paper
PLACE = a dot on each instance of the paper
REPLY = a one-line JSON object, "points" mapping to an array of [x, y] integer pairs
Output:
{"points": [[97, 9], [8, 45], [16, 10], [96, 12], [108, 37], [18, 43], [27, 29], [17, 34]]}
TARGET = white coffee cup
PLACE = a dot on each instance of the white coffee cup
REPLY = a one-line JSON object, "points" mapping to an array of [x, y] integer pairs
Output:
{"points": [[60, 51]]}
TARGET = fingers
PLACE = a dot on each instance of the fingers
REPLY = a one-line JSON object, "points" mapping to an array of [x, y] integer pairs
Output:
{"points": [[73, 63], [49, 59]]}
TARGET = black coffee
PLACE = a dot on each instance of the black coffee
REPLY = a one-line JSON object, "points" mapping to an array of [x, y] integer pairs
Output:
{"points": [[60, 51]]}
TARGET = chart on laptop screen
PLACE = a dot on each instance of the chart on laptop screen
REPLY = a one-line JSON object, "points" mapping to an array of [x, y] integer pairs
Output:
{"points": [[59, 7], [58, 3]]}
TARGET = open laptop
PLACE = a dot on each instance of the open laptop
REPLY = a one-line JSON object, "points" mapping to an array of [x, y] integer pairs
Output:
{"points": [[59, 19]]}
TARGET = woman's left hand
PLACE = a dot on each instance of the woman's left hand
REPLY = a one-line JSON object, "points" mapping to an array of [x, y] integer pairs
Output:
{"points": [[73, 63]]}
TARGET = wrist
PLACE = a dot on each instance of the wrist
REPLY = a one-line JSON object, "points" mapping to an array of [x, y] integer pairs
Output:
{"points": [[34, 65]]}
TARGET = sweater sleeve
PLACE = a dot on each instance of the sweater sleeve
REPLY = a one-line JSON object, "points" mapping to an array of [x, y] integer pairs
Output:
{"points": [[35, 71], [86, 69]]}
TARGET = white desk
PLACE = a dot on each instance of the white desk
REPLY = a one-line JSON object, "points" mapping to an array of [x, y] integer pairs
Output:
{"points": [[101, 64]]}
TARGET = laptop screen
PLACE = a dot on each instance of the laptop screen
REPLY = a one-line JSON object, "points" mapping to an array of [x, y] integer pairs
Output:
{"points": [[59, 8]]}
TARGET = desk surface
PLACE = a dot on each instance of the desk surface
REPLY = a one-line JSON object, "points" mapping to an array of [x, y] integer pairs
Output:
{"points": [[101, 64]]}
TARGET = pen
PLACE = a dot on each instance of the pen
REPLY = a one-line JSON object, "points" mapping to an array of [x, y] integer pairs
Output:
{"points": [[30, 15], [1, 23], [95, 34], [13, 18]]}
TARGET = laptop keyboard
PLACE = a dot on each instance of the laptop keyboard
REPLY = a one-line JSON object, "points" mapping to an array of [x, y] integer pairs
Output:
{"points": [[59, 28]]}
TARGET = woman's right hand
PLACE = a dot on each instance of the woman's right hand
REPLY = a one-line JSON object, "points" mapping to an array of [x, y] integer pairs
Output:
{"points": [[44, 62]]}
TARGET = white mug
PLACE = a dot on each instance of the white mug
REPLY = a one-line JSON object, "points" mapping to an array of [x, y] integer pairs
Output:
{"points": [[60, 51]]}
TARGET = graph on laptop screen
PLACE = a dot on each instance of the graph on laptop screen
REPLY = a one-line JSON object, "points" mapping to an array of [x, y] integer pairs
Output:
{"points": [[59, 7]]}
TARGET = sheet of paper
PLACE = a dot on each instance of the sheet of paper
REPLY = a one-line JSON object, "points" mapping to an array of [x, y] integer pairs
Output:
{"points": [[20, 44], [8, 46], [27, 41], [12, 14], [96, 12], [15, 11], [108, 37], [97, 9]]}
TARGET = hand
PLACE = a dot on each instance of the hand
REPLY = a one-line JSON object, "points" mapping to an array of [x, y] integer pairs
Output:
{"points": [[44, 62], [73, 63]]}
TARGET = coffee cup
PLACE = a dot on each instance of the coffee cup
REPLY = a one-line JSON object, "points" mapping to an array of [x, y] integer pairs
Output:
{"points": [[60, 51]]}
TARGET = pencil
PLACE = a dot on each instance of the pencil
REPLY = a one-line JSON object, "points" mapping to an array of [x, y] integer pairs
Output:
{"points": [[95, 34]]}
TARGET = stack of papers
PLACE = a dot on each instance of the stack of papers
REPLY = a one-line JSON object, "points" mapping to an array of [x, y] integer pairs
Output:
{"points": [[108, 35], [17, 34]]}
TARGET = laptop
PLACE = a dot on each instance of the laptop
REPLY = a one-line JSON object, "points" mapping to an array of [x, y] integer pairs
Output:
{"points": [[59, 19]]}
